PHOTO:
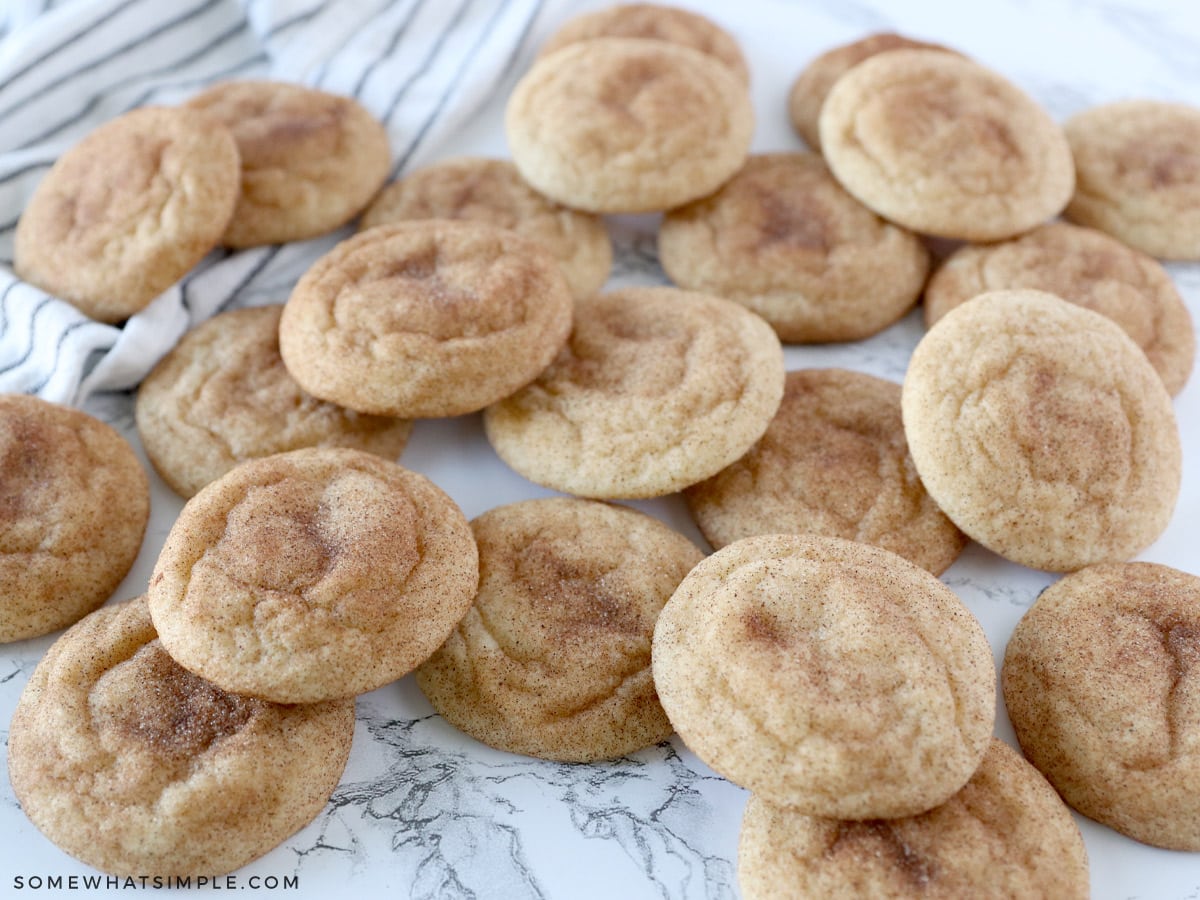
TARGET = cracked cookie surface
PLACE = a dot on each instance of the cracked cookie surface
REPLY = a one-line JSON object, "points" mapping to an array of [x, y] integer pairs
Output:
{"points": [[223, 396], [136, 766], [1102, 683], [311, 575], [1042, 431], [827, 675], [655, 389], [553, 658]]}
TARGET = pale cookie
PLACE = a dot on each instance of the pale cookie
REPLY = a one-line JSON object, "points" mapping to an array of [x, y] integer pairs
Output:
{"points": [[135, 766], [1102, 684], [553, 660], [1138, 170], [628, 125], [426, 318], [311, 161], [74, 502], [126, 212], [1042, 431], [812, 86], [651, 20], [1006, 834], [826, 675], [223, 396], [833, 461], [492, 191], [656, 389], [785, 240], [942, 145], [311, 575], [1088, 268]]}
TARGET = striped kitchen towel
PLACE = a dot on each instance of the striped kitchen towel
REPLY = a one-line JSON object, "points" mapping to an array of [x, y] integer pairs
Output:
{"points": [[66, 66]]}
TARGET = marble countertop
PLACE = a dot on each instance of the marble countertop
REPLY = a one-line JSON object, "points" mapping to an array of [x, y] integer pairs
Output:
{"points": [[424, 811]]}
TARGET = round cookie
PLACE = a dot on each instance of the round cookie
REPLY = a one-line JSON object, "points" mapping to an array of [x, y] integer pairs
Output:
{"points": [[785, 240], [492, 191], [1085, 267], [1042, 431], [651, 20], [126, 212], [223, 396], [1103, 689], [553, 659], [74, 502], [1005, 834], [137, 767], [942, 145], [311, 161], [615, 125], [1138, 168], [311, 575], [826, 675], [656, 389], [812, 86], [425, 318], [834, 462]]}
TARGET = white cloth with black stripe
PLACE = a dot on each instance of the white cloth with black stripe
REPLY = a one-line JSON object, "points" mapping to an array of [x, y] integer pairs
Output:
{"points": [[66, 66]]}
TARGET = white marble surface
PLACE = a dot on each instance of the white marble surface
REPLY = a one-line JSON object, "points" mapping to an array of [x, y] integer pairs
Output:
{"points": [[425, 812]]}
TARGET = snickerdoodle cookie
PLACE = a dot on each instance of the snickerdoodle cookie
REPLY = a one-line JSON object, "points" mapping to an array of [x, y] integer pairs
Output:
{"points": [[425, 318], [1005, 834], [74, 502], [812, 86], [126, 212], [1042, 431], [1102, 684], [1088, 268], [783, 238], [628, 125], [827, 675], [135, 766], [652, 20], [553, 659], [1138, 171], [223, 396], [311, 575], [656, 389], [311, 160], [833, 461], [942, 145], [492, 191]]}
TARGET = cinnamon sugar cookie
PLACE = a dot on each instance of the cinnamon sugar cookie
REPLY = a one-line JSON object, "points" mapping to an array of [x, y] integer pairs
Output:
{"points": [[137, 767], [1138, 165], [311, 160], [833, 461], [1005, 834], [126, 212], [1042, 431], [311, 575], [553, 659], [628, 125], [812, 86], [656, 389], [651, 20], [223, 396], [74, 502], [1102, 683], [1088, 268], [826, 675], [944, 146], [492, 191], [425, 318], [784, 239]]}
